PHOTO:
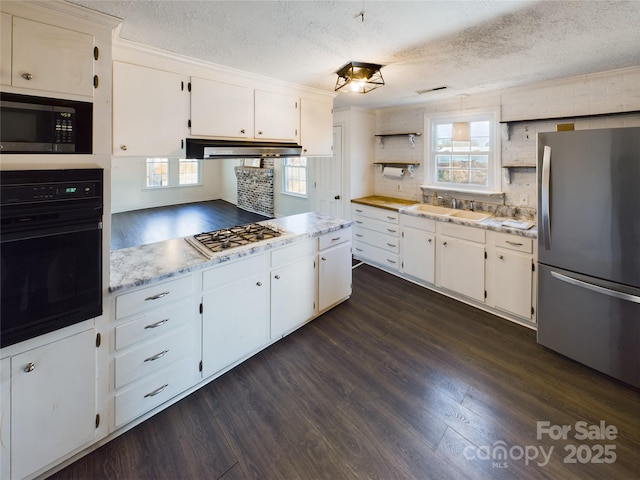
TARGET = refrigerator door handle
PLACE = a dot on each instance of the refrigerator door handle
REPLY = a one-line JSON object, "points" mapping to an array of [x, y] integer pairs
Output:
{"points": [[597, 288], [545, 192]]}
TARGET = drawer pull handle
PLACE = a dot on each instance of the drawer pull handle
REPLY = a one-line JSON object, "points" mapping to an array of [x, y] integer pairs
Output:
{"points": [[358, 249], [335, 239], [391, 230], [358, 221], [27, 76], [391, 218], [391, 245], [517, 244], [157, 324], [359, 235], [390, 261], [156, 356], [156, 297], [359, 211], [156, 391]]}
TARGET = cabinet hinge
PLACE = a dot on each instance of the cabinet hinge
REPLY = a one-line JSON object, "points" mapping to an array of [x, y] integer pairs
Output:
{"points": [[201, 308], [314, 306], [200, 366], [189, 123], [533, 267], [485, 294], [96, 81], [189, 86], [96, 53], [97, 420], [181, 143], [485, 255], [314, 264], [533, 310], [98, 340]]}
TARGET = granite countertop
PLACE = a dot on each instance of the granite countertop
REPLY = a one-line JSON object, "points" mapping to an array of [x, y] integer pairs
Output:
{"points": [[492, 223], [145, 264]]}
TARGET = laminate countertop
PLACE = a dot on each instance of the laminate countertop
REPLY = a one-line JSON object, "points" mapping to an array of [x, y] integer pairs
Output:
{"points": [[494, 223], [146, 264]]}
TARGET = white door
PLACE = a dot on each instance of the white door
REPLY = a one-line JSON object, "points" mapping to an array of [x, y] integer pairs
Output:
{"points": [[329, 179]]}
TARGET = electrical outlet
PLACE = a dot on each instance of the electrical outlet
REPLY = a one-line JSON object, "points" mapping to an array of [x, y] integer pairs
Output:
{"points": [[527, 134], [524, 200]]}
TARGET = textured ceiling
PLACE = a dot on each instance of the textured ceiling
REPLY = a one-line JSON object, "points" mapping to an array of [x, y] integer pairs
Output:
{"points": [[469, 46]]}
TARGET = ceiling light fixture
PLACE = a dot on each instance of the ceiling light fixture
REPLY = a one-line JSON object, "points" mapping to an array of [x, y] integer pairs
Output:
{"points": [[359, 77], [460, 130]]}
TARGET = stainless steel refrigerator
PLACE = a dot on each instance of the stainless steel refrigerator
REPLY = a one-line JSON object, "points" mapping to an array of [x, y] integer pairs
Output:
{"points": [[589, 248]]}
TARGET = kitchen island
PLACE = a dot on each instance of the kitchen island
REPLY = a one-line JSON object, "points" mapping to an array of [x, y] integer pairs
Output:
{"points": [[181, 316]]}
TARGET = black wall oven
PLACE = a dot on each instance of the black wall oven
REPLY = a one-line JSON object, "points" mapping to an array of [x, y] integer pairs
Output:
{"points": [[51, 250]]}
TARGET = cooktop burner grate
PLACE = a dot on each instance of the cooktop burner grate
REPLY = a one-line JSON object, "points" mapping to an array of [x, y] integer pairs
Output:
{"points": [[220, 240]]}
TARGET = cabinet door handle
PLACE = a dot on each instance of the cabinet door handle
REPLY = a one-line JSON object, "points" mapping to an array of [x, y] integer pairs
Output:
{"points": [[444, 244], [501, 257], [259, 284], [156, 297], [260, 132], [323, 259], [156, 391], [429, 241], [27, 76], [157, 324], [242, 131], [156, 356], [517, 244], [277, 277], [123, 148], [30, 367]]}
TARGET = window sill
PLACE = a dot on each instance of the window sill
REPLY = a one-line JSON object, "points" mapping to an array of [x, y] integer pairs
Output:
{"points": [[467, 194]]}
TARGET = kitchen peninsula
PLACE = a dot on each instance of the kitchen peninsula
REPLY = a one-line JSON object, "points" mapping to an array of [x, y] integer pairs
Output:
{"points": [[180, 317]]}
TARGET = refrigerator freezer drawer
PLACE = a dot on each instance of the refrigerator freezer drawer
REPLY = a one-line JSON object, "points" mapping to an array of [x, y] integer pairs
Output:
{"points": [[589, 322]]}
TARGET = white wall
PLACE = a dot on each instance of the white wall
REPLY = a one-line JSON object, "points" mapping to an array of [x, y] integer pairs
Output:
{"points": [[601, 93]]}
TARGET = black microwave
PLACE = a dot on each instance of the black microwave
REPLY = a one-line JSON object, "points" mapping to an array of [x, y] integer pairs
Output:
{"points": [[45, 125]]}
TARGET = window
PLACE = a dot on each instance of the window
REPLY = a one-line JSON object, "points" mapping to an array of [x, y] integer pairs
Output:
{"points": [[188, 172], [465, 165], [157, 172], [294, 177], [165, 172]]}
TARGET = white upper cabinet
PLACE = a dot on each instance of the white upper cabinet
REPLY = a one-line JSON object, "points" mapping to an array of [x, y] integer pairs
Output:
{"points": [[221, 109], [277, 116], [49, 58], [316, 127], [5, 49], [149, 111]]}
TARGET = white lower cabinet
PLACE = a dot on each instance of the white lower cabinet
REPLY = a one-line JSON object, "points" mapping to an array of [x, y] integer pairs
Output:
{"points": [[513, 274], [235, 312], [293, 287], [334, 268], [376, 235], [157, 347], [419, 248], [460, 254], [53, 402]]}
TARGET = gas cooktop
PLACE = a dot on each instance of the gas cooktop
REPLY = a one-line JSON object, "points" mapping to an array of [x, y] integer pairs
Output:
{"points": [[220, 240]]}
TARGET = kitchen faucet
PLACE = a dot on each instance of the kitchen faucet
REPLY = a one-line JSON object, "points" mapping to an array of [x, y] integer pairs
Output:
{"points": [[454, 203], [471, 205]]}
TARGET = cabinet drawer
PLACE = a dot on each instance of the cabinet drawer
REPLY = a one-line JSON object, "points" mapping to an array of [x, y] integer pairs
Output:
{"points": [[293, 252], [378, 226], [513, 242], [377, 255], [153, 297], [382, 214], [334, 238], [151, 357], [153, 325], [377, 239], [151, 392], [420, 223], [225, 274], [461, 231]]}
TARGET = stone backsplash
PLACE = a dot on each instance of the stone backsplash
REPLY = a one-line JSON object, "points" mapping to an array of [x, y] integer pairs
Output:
{"points": [[255, 190]]}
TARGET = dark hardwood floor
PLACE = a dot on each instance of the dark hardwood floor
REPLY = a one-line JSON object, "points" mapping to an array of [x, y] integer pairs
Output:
{"points": [[150, 225], [396, 383]]}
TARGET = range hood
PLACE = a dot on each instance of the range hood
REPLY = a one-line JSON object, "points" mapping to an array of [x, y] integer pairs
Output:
{"points": [[208, 149]]}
